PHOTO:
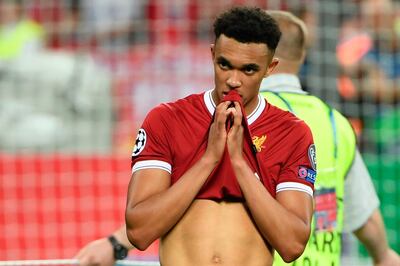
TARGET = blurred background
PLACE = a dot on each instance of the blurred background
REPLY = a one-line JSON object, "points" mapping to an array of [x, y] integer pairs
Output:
{"points": [[78, 76]]}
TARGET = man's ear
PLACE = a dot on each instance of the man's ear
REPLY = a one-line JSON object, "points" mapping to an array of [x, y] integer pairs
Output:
{"points": [[271, 66], [212, 49]]}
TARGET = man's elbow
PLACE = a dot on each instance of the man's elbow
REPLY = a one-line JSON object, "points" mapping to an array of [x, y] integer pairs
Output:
{"points": [[292, 252], [137, 239], [136, 234], [294, 245]]}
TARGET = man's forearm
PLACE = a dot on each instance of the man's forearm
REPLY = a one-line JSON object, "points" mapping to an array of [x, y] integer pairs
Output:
{"points": [[151, 218], [283, 229], [373, 236], [120, 235]]}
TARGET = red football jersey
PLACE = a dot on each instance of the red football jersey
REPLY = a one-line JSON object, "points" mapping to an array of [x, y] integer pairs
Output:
{"points": [[174, 135]]}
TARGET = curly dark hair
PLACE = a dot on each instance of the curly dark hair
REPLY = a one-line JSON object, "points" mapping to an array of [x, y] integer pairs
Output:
{"points": [[248, 25]]}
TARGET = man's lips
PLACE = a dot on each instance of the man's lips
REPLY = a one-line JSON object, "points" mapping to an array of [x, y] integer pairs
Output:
{"points": [[224, 93]]}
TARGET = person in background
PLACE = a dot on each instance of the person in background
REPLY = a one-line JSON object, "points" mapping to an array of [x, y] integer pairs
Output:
{"points": [[18, 35], [368, 57], [105, 251], [116, 24], [344, 194]]}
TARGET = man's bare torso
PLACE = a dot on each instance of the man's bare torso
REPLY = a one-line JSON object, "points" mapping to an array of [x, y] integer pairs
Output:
{"points": [[215, 233]]}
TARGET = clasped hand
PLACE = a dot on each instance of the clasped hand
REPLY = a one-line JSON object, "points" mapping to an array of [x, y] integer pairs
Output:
{"points": [[220, 136]]}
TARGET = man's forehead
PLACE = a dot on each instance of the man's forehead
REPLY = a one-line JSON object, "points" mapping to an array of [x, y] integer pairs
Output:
{"points": [[223, 42], [248, 53]]}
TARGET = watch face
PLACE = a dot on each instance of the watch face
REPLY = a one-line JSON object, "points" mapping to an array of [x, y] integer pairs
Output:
{"points": [[120, 252]]}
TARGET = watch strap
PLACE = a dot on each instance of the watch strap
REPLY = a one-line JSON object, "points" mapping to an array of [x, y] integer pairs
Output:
{"points": [[117, 247]]}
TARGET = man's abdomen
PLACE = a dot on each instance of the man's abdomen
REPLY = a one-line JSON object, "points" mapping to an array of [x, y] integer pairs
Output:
{"points": [[215, 233]]}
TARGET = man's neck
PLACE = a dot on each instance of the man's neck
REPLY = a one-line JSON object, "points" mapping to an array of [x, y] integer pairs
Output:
{"points": [[287, 67], [282, 82]]}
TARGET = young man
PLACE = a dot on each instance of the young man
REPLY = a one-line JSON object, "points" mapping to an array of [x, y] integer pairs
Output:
{"points": [[342, 174], [200, 187]]}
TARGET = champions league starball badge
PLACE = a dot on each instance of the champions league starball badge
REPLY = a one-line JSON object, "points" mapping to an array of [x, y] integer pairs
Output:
{"points": [[140, 142], [312, 156]]}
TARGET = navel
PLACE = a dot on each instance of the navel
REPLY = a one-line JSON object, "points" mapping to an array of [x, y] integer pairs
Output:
{"points": [[216, 259]]}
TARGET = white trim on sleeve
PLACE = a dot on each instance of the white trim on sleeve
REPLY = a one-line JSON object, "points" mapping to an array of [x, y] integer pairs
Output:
{"points": [[151, 164], [294, 186]]}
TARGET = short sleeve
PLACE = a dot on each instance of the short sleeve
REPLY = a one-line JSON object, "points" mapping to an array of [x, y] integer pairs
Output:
{"points": [[299, 171], [152, 148], [360, 199]]}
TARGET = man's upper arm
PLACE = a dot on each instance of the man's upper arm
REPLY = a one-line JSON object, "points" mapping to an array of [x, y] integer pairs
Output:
{"points": [[291, 200], [146, 183]]}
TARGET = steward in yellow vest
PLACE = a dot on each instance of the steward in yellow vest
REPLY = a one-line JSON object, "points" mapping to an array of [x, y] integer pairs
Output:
{"points": [[345, 199], [335, 145], [17, 35]]}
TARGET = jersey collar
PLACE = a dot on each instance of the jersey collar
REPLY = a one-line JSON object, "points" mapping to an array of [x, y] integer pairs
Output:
{"points": [[210, 104], [282, 83]]}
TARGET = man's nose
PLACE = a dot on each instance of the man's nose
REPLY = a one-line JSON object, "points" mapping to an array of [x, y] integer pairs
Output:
{"points": [[234, 81]]}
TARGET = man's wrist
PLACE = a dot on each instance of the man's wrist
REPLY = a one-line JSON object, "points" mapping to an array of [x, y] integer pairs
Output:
{"points": [[208, 161], [119, 250], [239, 163]]}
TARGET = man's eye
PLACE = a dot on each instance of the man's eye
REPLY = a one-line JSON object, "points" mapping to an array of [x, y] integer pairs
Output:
{"points": [[223, 65], [249, 70]]}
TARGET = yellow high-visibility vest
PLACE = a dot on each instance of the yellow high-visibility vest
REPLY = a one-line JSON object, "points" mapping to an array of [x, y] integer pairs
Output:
{"points": [[335, 144], [12, 43]]}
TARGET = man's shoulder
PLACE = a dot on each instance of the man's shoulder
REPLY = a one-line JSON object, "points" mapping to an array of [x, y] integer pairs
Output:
{"points": [[191, 99], [186, 102], [189, 103], [171, 110]]}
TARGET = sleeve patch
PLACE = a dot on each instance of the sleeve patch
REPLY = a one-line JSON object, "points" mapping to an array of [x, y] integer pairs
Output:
{"points": [[140, 142], [307, 174], [312, 156]]}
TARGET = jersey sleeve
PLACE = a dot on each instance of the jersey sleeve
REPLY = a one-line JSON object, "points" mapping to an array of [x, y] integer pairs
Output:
{"points": [[152, 148], [299, 171]]}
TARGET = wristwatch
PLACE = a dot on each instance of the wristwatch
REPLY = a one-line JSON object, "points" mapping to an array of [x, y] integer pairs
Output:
{"points": [[120, 252]]}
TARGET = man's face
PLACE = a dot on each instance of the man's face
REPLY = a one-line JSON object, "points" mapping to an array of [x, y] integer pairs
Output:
{"points": [[241, 67]]}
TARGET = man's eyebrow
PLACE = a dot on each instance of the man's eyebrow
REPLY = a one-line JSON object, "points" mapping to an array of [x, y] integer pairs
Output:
{"points": [[222, 59], [251, 66]]}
